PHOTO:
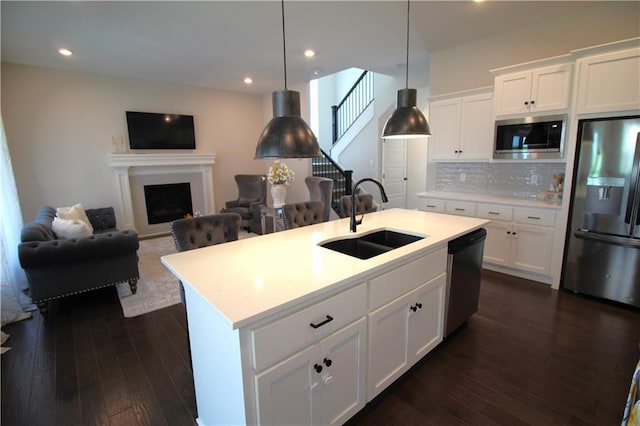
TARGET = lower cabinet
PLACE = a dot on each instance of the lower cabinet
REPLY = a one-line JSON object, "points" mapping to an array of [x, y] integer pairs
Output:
{"points": [[403, 331], [320, 362], [525, 247], [322, 384], [518, 238]]}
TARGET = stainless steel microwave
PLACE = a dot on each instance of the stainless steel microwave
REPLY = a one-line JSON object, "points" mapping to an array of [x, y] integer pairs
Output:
{"points": [[530, 137]]}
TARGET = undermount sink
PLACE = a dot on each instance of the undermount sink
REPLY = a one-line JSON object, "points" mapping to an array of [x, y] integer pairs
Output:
{"points": [[372, 244]]}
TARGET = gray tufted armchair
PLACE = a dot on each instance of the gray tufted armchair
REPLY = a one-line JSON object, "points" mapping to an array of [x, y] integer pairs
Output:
{"points": [[306, 213], [364, 204], [252, 193], [203, 231], [321, 189], [58, 267]]}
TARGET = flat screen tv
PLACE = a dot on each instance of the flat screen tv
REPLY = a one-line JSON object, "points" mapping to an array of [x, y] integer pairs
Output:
{"points": [[149, 130]]}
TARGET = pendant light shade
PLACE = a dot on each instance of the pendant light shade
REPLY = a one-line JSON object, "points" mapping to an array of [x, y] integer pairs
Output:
{"points": [[406, 122], [287, 135]]}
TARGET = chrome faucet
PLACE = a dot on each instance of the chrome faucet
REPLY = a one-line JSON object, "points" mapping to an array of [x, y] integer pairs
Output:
{"points": [[354, 223]]}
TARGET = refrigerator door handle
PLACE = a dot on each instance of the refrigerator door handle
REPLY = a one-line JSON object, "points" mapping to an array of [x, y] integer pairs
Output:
{"points": [[608, 239], [634, 191]]}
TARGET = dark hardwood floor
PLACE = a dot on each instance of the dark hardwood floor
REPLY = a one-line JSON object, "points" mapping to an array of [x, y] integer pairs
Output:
{"points": [[531, 355]]}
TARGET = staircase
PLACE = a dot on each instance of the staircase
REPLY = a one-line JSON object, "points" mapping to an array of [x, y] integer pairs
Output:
{"points": [[344, 115], [324, 166]]}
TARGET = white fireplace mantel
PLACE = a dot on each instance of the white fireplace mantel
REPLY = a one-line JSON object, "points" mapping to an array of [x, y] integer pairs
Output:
{"points": [[126, 165]]}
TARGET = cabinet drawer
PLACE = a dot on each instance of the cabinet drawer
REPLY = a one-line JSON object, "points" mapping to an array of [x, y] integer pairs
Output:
{"points": [[431, 205], [294, 332], [494, 212], [534, 217], [395, 283], [460, 208]]}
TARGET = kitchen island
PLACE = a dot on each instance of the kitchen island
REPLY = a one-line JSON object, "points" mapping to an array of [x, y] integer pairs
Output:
{"points": [[283, 331]]}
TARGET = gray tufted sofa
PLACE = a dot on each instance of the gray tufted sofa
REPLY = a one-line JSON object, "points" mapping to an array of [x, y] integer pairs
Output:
{"points": [[60, 267]]}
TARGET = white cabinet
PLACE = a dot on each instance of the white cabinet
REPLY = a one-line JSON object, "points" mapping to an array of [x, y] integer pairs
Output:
{"points": [[403, 331], [533, 91], [322, 384], [461, 127], [519, 239], [609, 82], [311, 366], [525, 247], [521, 243]]}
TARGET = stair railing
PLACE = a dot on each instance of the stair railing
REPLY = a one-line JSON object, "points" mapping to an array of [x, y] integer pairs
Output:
{"points": [[324, 166], [352, 105]]}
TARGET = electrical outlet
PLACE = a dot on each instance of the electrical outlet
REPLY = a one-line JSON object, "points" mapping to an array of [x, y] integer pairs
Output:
{"points": [[534, 179], [463, 177]]}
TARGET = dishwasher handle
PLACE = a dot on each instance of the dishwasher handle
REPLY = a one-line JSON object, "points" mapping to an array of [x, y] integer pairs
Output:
{"points": [[472, 238]]}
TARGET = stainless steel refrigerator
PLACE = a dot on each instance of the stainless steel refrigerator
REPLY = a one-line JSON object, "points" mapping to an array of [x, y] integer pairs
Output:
{"points": [[602, 251]]}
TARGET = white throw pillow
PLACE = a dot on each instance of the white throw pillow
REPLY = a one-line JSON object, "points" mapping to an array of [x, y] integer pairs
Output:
{"points": [[75, 212], [70, 228]]}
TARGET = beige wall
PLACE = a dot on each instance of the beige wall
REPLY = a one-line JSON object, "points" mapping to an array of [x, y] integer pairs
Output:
{"points": [[60, 124], [467, 66]]}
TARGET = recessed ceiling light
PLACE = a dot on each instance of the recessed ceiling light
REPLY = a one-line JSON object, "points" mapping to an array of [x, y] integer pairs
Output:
{"points": [[309, 53], [248, 80], [65, 52]]}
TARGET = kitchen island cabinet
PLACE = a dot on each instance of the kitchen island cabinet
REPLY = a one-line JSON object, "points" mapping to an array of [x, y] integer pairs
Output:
{"points": [[275, 344]]}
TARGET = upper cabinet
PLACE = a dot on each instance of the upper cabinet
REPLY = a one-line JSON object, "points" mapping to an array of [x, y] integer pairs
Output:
{"points": [[533, 91], [609, 82], [461, 127]]}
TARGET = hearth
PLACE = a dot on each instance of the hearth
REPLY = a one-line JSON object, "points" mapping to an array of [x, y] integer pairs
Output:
{"points": [[133, 172], [167, 202]]}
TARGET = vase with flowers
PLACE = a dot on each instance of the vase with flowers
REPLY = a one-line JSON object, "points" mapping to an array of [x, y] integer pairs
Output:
{"points": [[279, 176]]}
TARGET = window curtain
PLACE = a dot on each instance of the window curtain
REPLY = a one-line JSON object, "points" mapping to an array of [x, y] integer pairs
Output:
{"points": [[13, 279]]}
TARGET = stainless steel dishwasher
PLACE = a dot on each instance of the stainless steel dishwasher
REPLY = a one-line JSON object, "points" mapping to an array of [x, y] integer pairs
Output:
{"points": [[464, 268]]}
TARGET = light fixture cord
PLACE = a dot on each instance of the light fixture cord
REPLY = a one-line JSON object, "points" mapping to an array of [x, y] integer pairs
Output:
{"points": [[284, 48], [407, 69]]}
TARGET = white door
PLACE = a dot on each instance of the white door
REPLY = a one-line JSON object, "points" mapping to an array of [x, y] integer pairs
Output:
{"points": [[388, 326], [342, 357], [426, 318], [394, 172], [286, 391]]}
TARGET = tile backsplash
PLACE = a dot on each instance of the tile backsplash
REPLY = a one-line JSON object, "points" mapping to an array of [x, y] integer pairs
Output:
{"points": [[523, 180]]}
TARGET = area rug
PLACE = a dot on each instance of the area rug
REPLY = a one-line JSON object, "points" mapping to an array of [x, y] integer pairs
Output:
{"points": [[157, 287]]}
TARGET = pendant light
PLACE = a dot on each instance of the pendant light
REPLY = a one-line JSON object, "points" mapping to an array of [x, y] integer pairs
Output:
{"points": [[287, 135], [406, 122]]}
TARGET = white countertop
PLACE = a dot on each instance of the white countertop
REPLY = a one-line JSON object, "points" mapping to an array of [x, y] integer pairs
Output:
{"points": [[484, 198], [250, 279]]}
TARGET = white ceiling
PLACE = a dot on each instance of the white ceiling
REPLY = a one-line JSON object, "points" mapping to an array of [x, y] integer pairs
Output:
{"points": [[217, 43]]}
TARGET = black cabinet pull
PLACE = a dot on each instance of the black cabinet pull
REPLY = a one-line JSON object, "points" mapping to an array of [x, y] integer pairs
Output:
{"points": [[328, 319], [526, 102], [514, 233], [533, 217], [458, 210], [318, 368], [508, 232], [413, 308], [327, 362], [494, 213], [419, 305], [533, 102]]}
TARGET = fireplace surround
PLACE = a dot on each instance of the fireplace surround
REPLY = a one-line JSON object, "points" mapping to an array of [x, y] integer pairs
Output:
{"points": [[133, 171]]}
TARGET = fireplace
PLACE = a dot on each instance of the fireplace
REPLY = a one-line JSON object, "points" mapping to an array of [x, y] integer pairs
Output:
{"points": [[134, 172], [167, 202]]}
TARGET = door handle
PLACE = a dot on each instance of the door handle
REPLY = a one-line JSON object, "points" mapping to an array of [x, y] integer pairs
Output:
{"points": [[607, 239]]}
